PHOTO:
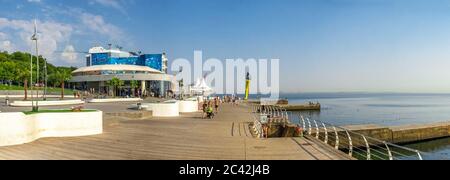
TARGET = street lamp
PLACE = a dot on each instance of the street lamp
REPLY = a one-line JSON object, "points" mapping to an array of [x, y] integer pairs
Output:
{"points": [[35, 38]]}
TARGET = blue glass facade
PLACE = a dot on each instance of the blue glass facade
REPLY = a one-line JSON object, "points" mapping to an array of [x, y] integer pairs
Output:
{"points": [[99, 59], [127, 61], [154, 61]]}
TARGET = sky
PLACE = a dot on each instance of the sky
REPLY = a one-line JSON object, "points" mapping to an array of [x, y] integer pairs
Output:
{"points": [[323, 45]]}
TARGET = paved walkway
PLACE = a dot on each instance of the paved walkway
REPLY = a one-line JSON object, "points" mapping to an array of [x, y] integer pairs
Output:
{"points": [[227, 137]]}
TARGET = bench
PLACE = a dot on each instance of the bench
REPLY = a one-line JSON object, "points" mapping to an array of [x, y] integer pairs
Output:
{"points": [[77, 108]]}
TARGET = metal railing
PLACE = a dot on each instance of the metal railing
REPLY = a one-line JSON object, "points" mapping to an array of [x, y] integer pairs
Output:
{"points": [[356, 145], [274, 114], [271, 114]]}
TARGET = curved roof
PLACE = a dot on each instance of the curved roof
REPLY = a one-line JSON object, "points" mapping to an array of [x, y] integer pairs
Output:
{"points": [[116, 68]]}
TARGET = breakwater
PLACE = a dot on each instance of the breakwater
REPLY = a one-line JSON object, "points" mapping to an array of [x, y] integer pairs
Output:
{"points": [[404, 134]]}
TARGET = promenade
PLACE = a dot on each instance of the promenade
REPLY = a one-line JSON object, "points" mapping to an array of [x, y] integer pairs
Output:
{"points": [[189, 137]]}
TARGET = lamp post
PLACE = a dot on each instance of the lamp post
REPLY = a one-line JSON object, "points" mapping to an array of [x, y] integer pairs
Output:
{"points": [[45, 80], [31, 79], [181, 84], [35, 38]]}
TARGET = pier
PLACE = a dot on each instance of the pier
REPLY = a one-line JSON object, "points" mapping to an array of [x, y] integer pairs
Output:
{"points": [[406, 133], [284, 104], [189, 137], [301, 107]]}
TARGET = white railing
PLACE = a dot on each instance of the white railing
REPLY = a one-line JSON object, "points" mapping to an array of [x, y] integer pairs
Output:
{"points": [[357, 145], [354, 144]]}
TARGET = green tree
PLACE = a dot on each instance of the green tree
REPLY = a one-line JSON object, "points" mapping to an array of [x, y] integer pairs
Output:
{"points": [[7, 72], [62, 76], [134, 85], [24, 75], [116, 83]]}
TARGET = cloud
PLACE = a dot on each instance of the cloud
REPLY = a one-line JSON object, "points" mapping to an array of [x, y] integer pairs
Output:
{"points": [[6, 46], [119, 5], [109, 3], [97, 24], [62, 29], [51, 35], [3, 36], [70, 55]]}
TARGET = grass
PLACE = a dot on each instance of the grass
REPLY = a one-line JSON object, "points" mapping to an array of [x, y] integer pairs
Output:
{"points": [[49, 89], [14, 88], [57, 111]]}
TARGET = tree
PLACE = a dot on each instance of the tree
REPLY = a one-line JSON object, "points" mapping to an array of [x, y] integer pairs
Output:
{"points": [[134, 85], [115, 83], [8, 69], [62, 75], [13, 64], [24, 75]]}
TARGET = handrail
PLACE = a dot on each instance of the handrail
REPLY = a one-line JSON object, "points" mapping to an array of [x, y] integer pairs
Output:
{"points": [[371, 145], [355, 144]]}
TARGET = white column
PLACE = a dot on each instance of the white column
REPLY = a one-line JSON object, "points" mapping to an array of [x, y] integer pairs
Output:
{"points": [[143, 87], [161, 89]]}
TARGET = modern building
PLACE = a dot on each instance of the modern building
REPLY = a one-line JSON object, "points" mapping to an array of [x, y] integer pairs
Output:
{"points": [[102, 65]]}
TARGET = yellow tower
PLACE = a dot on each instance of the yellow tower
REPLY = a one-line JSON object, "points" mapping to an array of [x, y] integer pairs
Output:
{"points": [[247, 86]]}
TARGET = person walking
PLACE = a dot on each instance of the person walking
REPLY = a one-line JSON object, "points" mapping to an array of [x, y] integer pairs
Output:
{"points": [[204, 108], [216, 104], [210, 112]]}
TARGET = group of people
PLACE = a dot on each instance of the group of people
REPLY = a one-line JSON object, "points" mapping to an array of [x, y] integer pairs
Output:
{"points": [[234, 100], [211, 107]]}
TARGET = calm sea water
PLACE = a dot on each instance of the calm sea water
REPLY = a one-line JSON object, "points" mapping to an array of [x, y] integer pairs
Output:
{"points": [[382, 109]]}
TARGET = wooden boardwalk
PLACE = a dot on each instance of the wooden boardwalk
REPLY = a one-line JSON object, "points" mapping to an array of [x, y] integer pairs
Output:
{"points": [[189, 137]]}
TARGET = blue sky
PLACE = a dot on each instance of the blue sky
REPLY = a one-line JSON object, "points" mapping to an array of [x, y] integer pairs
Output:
{"points": [[324, 45]]}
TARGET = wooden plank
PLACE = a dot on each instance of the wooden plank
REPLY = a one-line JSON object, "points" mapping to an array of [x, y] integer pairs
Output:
{"points": [[184, 138]]}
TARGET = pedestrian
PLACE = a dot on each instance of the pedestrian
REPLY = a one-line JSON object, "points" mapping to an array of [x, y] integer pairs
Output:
{"points": [[204, 108], [216, 103]]}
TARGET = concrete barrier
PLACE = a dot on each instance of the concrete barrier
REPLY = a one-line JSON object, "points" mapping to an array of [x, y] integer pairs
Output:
{"points": [[188, 106], [18, 128], [29, 96], [115, 100], [405, 133], [414, 133], [166, 109], [47, 103], [132, 115]]}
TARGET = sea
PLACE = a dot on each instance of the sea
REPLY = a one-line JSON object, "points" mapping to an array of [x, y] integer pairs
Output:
{"points": [[389, 109]]}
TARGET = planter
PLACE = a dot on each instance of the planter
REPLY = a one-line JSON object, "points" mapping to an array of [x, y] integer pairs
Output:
{"points": [[115, 100], [18, 128], [188, 106], [166, 109], [47, 103]]}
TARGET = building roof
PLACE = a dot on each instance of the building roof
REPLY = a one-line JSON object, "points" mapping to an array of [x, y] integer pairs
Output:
{"points": [[201, 87], [117, 68]]}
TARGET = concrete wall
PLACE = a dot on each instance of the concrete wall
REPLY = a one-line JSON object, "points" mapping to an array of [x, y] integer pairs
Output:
{"points": [[188, 106], [47, 103], [405, 134], [18, 128], [132, 115], [115, 100], [163, 109], [29, 96], [21, 92]]}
